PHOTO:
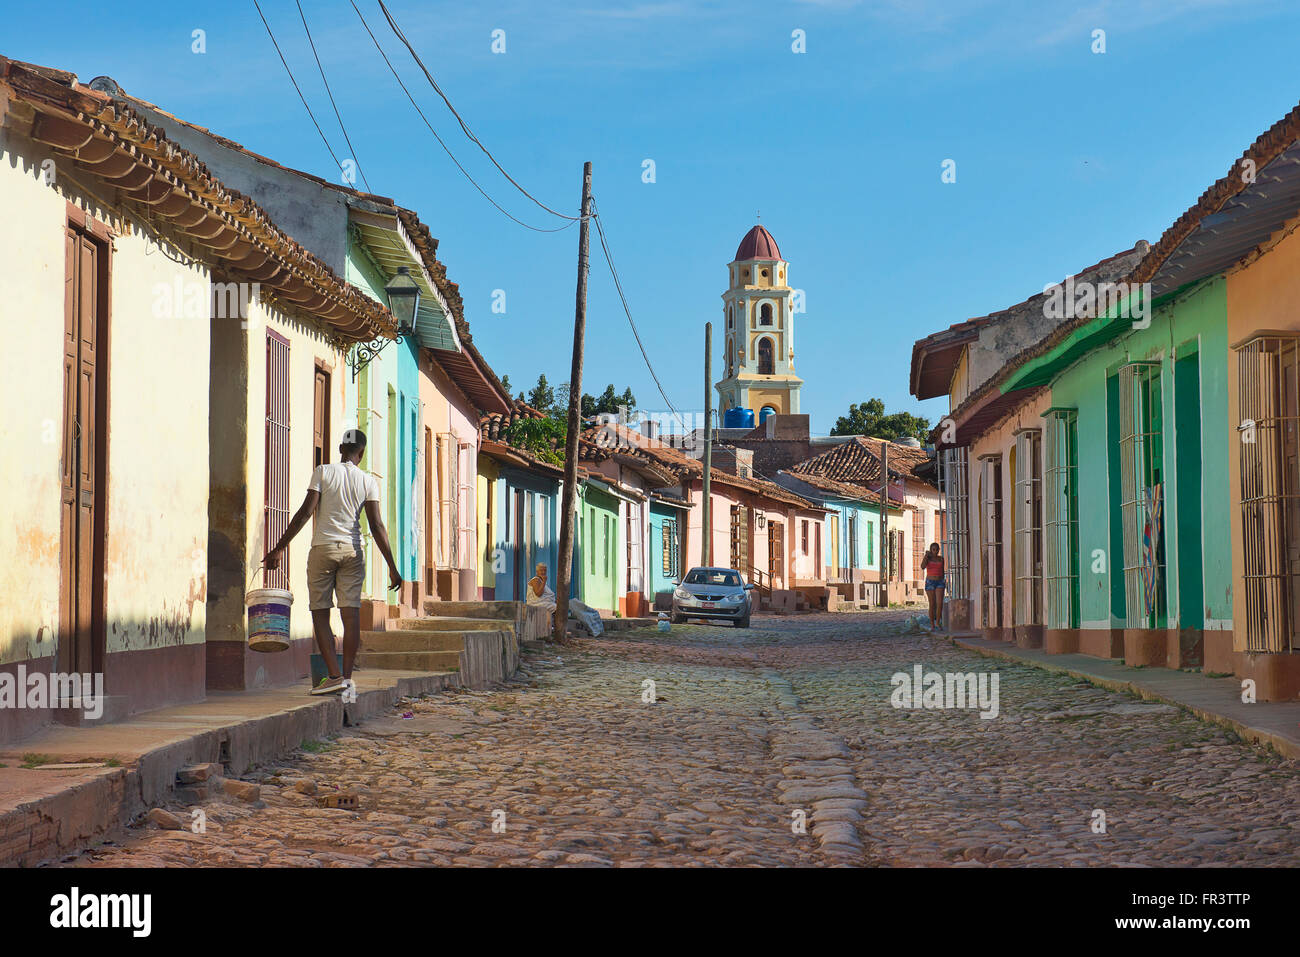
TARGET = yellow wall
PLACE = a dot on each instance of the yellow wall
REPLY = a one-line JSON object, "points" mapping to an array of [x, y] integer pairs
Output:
{"points": [[157, 367], [306, 347]]}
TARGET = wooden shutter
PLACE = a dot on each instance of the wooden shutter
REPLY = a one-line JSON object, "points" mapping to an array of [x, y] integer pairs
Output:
{"points": [[276, 511]]}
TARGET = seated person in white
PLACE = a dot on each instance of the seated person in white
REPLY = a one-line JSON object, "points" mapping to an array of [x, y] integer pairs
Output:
{"points": [[539, 593]]}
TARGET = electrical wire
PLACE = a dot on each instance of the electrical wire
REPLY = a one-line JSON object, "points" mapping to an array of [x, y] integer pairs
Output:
{"points": [[618, 285], [445, 148], [330, 94], [296, 87], [474, 139]]}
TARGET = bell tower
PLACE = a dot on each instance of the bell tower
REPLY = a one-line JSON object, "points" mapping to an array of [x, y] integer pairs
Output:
{"points": [[758, 370]]}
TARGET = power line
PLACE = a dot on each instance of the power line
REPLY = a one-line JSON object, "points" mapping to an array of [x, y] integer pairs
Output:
{"points": [[296, 87], [474, 139], [444, 146], [330, 94], [618, 285]]}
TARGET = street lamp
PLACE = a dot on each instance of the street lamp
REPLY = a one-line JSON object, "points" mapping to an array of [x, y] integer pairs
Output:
{"points": [[404, 303], [403, 300]]}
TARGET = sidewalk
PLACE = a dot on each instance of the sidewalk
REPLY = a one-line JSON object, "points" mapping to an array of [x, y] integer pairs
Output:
{"points": [[1211, 699], [92, 779]]}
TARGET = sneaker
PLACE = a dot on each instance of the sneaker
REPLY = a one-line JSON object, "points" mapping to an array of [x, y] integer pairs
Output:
{"points": [[329, 685]]}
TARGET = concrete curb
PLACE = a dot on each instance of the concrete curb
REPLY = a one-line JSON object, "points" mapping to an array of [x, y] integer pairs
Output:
{"points": [[59, 823], [1287, 746]]}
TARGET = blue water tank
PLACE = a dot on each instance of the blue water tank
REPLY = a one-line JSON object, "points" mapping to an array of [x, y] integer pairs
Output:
{"points": [[762, 416], [737, 418]]}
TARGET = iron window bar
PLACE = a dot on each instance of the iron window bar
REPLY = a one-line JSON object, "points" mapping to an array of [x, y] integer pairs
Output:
{"points": [[954, 482], [1029, 530], [1061, 518], [1268, 383], [991, 539], [1141, 469]]}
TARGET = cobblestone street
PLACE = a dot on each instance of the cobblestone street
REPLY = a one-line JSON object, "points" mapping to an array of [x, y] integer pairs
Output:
{"points": [[753, 731]]}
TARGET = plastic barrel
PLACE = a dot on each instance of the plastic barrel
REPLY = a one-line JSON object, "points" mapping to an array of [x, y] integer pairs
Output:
{"points": [[738, 418], [268, 619]]}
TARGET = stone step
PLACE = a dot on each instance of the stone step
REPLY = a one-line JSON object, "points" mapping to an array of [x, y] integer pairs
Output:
{"points": [[501, 610], [410, 660], [407, 640], [445, 624]]}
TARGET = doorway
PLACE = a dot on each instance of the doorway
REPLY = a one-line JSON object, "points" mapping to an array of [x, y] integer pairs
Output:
{"points": [[775, 554], [84, 453]]}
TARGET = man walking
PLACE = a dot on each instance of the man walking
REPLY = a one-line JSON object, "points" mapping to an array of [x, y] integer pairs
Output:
{"points": [[335, 563]]}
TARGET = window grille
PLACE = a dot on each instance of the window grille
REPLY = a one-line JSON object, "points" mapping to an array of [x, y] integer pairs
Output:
{"points": [[1141, 449], [740, 538], [991, 539], [1268, 383], [466, 540], [1029, 529], [1061, 518], [276, 512], [670, 548], [919, 545], [954, 481]]}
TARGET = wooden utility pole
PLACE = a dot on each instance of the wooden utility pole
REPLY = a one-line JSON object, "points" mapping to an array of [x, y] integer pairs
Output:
{"points": [[706, 530], [884, 524], [563, 573]]}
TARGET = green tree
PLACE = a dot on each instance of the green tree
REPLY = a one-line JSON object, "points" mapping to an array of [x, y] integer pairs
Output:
{"points": [[869, 418], [505, 384], [542, 398], [543, 437]]}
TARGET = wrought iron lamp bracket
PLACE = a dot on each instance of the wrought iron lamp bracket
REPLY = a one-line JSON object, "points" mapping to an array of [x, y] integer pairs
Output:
{"points": [[363, 353]]}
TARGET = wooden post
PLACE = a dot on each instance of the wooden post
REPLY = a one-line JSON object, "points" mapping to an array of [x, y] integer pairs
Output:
{"points": [[706, 537], [562, 573], [884, 523]]}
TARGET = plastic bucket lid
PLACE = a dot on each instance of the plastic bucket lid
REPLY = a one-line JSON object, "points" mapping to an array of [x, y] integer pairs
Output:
{"points": [[268, 618]]}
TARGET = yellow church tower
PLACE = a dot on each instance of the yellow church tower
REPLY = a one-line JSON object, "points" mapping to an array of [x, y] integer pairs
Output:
{"points": [[759, 322]]}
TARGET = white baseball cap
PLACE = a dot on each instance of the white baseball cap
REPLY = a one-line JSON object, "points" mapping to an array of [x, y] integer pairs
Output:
{"points": [[354, 437]]}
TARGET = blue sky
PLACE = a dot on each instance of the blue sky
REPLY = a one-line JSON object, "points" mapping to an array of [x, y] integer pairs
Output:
{"points": [[1063, 156]]}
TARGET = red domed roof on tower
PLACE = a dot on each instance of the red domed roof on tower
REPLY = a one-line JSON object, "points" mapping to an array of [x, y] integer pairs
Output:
{"points": [[757, 244]]}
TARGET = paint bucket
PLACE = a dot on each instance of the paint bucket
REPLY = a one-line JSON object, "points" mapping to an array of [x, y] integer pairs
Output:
{"points": [[268, 618]]}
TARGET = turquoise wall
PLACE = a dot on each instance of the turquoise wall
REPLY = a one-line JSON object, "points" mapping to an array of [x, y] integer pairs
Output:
{"points": [[1193, 322], [867, 518], [394, 390], [659, 582], [540, 541]]}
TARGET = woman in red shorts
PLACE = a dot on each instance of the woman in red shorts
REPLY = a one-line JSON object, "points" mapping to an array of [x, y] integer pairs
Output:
{"points": [[934, 584]]}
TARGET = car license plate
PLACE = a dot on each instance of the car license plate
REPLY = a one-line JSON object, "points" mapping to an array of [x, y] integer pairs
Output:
{"points": [[707, 604]]}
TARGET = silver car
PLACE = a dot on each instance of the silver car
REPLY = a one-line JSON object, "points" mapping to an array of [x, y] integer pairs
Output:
{"points": [[713, 593]]}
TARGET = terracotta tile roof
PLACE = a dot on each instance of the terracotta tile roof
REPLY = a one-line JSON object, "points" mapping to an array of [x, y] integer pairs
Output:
{"points": [[493, 425], [857, 462], [98, 135], [677, 463], [842, 489]]}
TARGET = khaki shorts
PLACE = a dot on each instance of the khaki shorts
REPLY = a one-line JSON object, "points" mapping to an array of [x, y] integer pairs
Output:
{"points": [[335, 567]]}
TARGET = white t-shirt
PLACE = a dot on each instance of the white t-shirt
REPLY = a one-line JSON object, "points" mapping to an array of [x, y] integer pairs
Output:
{"points": [[344, 490]]}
